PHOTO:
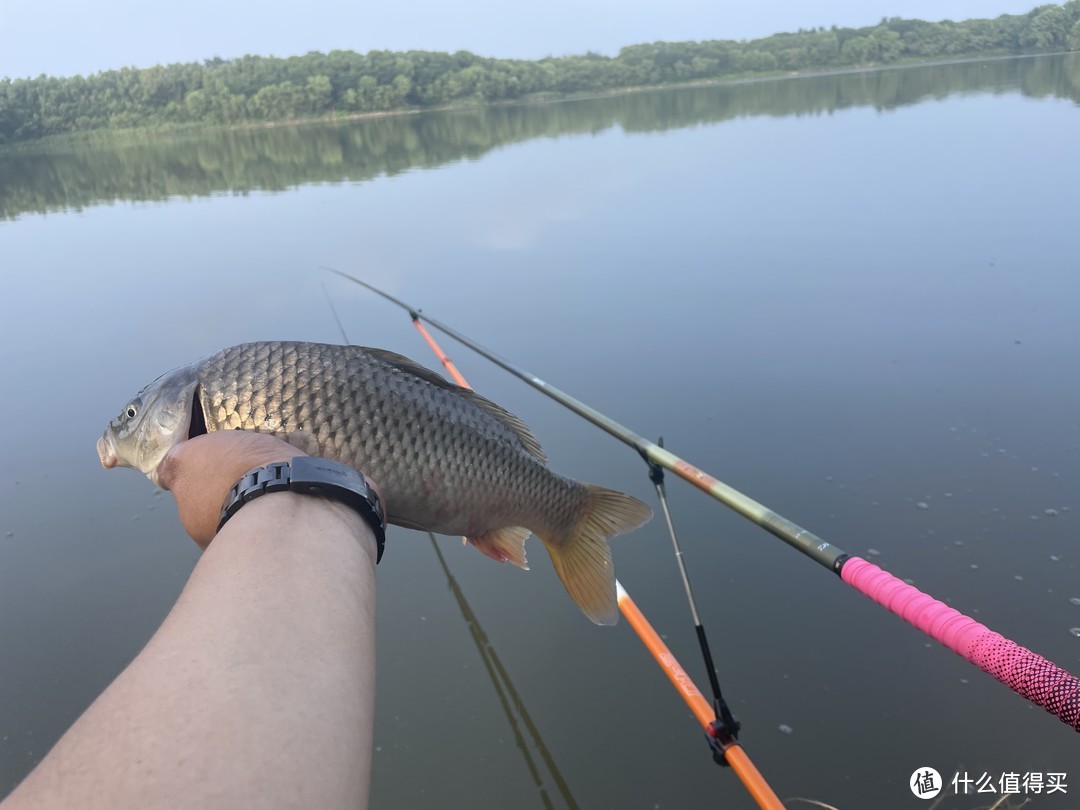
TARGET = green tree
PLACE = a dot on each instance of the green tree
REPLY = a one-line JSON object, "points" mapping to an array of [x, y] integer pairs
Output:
{"points": [[859, 51], [365, 93], [888, 43], [1049, 29], [824, 49], [1074, 37], [317, 94]]}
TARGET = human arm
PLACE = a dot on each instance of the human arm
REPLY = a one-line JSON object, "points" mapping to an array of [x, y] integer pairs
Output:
{"points": [[258, 689]]}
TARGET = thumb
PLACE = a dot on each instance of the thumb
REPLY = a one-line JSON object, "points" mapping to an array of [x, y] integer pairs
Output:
{"points": [[200, 472]]}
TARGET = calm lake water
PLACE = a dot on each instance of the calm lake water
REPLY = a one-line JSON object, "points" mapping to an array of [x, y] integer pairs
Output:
{"points": [[854, 298]]}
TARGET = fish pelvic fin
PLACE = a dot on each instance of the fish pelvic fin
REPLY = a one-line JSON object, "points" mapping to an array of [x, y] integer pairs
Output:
{"points": [[583, 561], [504, 545]]}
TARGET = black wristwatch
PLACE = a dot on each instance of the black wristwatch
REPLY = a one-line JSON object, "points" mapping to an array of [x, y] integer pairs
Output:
{"points": [[311, 476]]}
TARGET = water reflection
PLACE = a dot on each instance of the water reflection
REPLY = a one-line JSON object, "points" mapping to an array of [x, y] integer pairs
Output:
{"points": [[278, 158]]}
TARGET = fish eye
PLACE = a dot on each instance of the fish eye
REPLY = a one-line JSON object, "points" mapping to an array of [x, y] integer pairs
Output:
{"points": [[131, 411]]}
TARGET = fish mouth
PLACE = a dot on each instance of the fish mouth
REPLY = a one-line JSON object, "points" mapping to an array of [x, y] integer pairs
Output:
{"points": [[106, 453]]}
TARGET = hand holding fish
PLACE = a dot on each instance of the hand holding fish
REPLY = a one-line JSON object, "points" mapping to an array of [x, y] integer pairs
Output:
{"points": [[200, 471]]}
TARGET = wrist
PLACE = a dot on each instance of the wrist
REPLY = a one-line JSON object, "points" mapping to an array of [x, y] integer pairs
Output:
{"points": [[300, 528]]}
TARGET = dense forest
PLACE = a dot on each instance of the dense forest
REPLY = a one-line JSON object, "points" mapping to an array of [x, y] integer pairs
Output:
{"points": [[239, 161], [252, 88]]}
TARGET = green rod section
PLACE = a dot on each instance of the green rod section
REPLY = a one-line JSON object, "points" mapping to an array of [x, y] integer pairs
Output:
{"points": [[828, 555]]}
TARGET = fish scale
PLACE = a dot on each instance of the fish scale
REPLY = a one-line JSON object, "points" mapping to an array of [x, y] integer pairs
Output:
{"points": [[446, 459], [292, 381]]}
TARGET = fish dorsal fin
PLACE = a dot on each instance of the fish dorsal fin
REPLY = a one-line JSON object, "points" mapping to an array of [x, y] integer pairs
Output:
{"points": [[516, 426], [519, 428], [403, 363]]}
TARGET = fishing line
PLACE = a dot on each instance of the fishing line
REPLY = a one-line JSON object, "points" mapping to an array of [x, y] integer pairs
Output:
{"points": [[726, 727], [333, 309], [1025, 672], [490, 659]]}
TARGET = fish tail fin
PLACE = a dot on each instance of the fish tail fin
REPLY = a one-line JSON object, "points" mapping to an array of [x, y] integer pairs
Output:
{"points": [[504, 545], [583, 560]]}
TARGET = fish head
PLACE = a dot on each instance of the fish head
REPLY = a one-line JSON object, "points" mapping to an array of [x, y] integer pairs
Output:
{"points": [[154, 420]]}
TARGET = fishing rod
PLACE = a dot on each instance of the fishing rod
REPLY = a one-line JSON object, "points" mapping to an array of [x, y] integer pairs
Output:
{"points": [[720, 726], [1027, 673]]}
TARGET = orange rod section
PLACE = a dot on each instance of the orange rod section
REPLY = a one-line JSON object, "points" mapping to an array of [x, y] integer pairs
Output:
{"points": [[751, 778], [734, 754], [446, 361], [682, 682]]}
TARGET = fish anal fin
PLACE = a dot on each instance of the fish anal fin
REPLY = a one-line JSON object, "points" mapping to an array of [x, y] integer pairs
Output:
{"points": [[504, 545]]}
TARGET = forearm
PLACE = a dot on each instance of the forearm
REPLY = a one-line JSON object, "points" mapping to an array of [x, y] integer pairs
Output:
{"points": [[257, 690]]}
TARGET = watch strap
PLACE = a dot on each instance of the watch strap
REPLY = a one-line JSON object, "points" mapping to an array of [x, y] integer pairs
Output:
{"points": [[310, 475]]}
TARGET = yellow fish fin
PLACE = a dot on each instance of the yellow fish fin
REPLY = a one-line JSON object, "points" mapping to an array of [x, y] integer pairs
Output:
{"points": [[583, 561]]}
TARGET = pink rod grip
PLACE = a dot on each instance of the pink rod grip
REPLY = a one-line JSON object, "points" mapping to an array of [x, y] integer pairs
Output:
{"points": [[1026, 673]]}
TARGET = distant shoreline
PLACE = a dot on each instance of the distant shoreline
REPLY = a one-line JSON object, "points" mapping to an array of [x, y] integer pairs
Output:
{"points": [[254, 91], [149, 133], [774, 76]]}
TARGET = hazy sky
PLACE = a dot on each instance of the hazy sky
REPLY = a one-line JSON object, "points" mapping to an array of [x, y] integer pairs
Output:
{"points": [[64, 37]]}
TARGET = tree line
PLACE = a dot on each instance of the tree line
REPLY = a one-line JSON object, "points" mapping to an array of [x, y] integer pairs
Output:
{"points": [[252, 88], [278, 158]]}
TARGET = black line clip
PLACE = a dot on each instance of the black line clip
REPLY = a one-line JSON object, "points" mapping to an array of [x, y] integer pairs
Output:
{"points": [[722, 735], [656, 472]]}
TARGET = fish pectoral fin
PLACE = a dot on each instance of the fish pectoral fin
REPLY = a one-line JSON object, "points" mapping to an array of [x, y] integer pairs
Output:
{"points": [[504, 545]]}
